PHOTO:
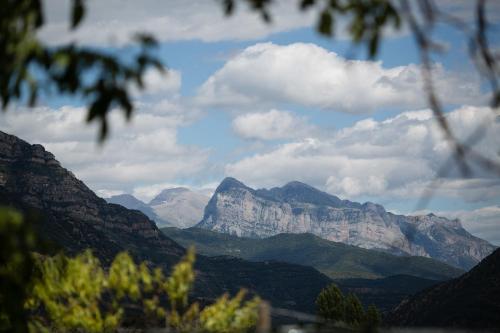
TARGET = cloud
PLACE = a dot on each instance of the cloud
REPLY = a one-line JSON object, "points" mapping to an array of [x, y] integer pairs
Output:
{"points": [[114, 22], [309, 75], [271, 125], [395, 158], [137, 153], [160, 84]]}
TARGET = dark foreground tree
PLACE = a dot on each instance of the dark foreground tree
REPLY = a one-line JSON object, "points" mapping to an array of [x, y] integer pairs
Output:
{"points": [[42, 293], [336, 308], [372, 318], [330, 303]]}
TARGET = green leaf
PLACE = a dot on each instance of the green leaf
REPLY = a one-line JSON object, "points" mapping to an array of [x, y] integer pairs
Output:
{"points": [[77, 13], [305, 4], [325, 23]]}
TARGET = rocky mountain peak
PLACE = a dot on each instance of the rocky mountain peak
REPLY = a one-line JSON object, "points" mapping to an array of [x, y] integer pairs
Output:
{"points": [[300, 208], [229, 183], [124, 197], [12, 148], [167, 195], [376, 208], [73, 216]]}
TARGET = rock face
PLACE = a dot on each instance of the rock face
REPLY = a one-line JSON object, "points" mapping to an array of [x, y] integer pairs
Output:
{"points": [[72, 216], [470, 301], [299, 208], [179, 207], [174, 207]]}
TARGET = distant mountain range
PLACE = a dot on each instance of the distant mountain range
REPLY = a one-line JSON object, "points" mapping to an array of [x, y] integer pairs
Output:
{"points": [[337, 260], [73, 217], [176, 207], [299, 208], [375, 277], [469, 301]]}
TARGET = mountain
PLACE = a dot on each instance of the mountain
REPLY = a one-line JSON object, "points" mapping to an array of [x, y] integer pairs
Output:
{"points": [[72, 216], [180, 206], [375, 277], [299, 208], [469, 301], [337, 260], [175, 207], [385, 293], [131, 202]]}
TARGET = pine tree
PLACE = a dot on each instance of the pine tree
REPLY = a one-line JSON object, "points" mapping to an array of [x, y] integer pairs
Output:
{"points": [[372, 318], [330, 303], [354, 312]]}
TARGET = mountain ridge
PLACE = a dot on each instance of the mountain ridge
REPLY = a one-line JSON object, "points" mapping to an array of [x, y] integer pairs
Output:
{"points": [[336, 260], [296, 207], [129, 201], [469, 301], [174, 207], [76, 219]]}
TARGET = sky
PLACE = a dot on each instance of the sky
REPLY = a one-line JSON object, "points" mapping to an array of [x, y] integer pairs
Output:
{"points": [[270, 104]]}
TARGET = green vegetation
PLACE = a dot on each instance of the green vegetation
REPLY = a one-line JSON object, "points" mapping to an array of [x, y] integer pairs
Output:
{"points": [[59, 293], [28, 65], [337, 260], [333, 306]]}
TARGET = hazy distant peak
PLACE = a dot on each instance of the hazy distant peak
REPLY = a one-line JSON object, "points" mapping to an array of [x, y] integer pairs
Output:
{"points": [[167, 195], [297, 185], [122, 197]]}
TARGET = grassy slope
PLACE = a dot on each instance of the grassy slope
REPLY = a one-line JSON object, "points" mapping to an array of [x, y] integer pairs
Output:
{"points": [[337, 260]]}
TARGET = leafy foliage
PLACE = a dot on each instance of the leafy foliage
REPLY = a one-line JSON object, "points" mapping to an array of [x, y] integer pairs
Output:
{"points": [[59, 293], [334, 306], [228, 315], [373, 318], [367, 18], [17, 240], [28, 65], [330, 303]]}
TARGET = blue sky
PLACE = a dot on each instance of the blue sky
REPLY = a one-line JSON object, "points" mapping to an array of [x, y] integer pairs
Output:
{"points": [[273, 104]]}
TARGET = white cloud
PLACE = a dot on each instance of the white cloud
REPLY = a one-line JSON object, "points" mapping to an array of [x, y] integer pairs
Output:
{"points": [[160, 84], [397, 158], [271, 125], [116, 21], [306, 74], [144, 151]]}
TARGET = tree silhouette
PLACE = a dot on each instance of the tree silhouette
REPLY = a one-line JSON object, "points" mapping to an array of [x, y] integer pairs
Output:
{"points": [[330, 303]]}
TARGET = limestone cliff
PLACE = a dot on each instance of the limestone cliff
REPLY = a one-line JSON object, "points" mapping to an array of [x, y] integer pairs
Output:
{"points": [[299, 208]]}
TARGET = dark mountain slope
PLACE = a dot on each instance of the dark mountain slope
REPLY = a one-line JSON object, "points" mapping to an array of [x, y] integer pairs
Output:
{"points": [[337, 260], [75, 218], [471, 300], [385, 293]]}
